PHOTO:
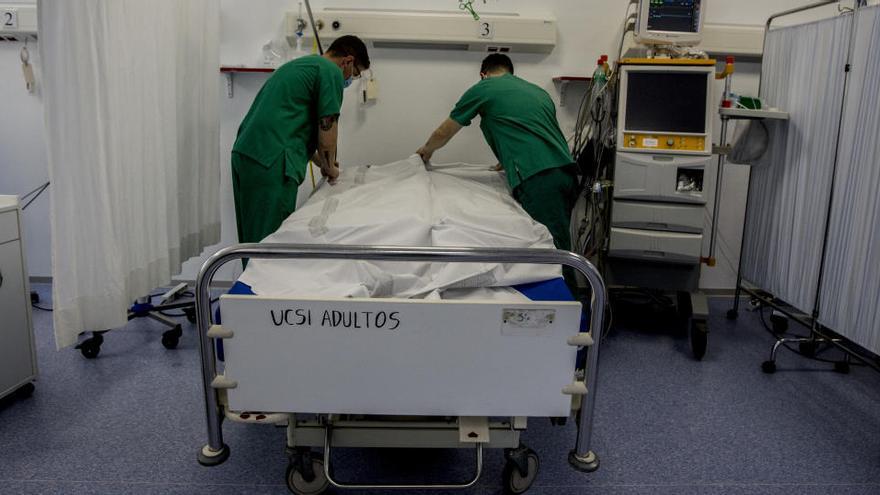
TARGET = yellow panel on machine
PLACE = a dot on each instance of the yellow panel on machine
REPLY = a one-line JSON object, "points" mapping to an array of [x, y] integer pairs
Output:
{"points": [[668, 142]]}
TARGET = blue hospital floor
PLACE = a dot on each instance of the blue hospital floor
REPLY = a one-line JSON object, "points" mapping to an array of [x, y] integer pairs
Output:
{"points": [[131, 422]]}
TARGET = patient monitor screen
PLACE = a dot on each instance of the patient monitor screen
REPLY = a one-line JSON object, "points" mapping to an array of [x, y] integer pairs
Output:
{"points": [[666, 102], [677, 16]]}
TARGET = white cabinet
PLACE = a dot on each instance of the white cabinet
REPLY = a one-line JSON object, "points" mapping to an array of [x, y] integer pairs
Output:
{"points": [[18, 365]]}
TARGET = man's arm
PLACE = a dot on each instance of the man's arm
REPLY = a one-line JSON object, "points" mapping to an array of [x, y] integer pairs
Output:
{"points": [[325, 157], [447, 130]]}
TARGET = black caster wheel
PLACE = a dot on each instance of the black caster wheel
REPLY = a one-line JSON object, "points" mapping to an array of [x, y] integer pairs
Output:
{"points": [[842, 367], [306, 480], [732, 314], [808, 349], [25, 391], [190, 315], [768, 367], [171, 338], [520, 470], [588, 463], [91, 347], [699, 339], [558, 421], [779, 323], [684, 312]]}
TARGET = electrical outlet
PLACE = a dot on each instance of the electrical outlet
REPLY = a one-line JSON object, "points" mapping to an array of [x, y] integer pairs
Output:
{"points": [[372, 91]]}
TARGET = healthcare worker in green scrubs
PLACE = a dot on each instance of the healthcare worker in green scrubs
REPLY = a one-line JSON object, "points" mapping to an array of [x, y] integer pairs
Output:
{"points": [[293, 119], [518, 120]]}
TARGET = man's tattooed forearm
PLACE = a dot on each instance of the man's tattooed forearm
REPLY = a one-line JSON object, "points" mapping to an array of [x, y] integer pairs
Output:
{"points": [[326, 123]]}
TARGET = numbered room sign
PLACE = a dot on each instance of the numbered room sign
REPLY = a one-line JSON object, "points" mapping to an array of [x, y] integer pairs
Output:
{"points": [[9, 19], [486, 30]]}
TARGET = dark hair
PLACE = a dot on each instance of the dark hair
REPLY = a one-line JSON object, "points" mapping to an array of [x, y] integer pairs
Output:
{"points": [[496, 61], [353, 46]]}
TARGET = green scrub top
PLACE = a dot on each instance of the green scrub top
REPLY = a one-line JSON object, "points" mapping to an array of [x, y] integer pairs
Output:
{"points": [[519, 123], [283, 119]]}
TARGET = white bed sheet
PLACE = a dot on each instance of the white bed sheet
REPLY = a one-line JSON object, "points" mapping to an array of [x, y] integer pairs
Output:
{"points": [[405, 204]]}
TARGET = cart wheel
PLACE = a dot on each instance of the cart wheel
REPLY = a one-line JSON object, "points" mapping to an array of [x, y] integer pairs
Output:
{"points": [[520, 470], [779, 324], [298, 484], [842, 367], [732, 314], [699, 339], [808, 349], [90, 348], [768, 367], [25, 391], [190, 315], [171, 338], [684, 311]]}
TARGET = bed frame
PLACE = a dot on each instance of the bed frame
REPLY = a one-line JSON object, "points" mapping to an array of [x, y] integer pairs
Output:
{"points": [[473, 372]]}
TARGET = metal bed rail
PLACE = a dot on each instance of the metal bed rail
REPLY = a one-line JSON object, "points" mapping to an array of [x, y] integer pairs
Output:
{"points": [[215, 452]]}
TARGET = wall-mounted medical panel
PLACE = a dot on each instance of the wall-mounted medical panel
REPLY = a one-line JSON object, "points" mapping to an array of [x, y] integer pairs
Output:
{"points": [[17, 21], [433, 30]]}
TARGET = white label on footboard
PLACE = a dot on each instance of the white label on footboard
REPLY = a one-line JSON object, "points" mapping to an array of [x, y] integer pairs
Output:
{"points": [[381, 356]]}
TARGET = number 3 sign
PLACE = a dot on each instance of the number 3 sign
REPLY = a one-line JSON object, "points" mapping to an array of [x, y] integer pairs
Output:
{"points": [[486, 29]]}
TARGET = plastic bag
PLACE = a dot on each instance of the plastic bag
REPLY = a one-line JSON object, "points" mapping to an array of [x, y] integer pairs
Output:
{"points": [[751, 141]]}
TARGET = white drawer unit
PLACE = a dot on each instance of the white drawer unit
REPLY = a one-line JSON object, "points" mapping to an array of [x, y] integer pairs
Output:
{"points": [[18, 365], [8, 225], [658, 216], [661, 178], [649, 245]]}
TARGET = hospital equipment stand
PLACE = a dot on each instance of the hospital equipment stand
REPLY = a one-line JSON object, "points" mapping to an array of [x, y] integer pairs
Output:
{"points": [[143, 308]]}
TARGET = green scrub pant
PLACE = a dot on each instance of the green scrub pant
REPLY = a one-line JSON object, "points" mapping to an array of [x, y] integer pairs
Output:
{"points": [[549, 197], [264, 197]]}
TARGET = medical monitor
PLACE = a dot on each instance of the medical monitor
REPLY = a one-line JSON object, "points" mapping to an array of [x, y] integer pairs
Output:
{"points": [[666, 109], [670, 22]]}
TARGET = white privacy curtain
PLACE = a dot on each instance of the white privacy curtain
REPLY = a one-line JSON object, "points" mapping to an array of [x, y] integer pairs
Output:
{"points": [[803, 73], [850, 302], [131, 98]]}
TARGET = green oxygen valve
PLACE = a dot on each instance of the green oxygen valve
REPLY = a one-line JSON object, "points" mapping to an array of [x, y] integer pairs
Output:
{"points": [[468, 5]]}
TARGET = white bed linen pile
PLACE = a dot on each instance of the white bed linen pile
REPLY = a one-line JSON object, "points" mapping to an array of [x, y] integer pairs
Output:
{"points": [[403, 204]]}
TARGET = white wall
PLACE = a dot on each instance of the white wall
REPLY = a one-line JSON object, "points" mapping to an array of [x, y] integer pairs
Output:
{"points": [[23, 164], [418, 88]]}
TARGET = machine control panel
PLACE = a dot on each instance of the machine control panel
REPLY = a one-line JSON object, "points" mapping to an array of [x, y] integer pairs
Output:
{"points": [[651, 142]]}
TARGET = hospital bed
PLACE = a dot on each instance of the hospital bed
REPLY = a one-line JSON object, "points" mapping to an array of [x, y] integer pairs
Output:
{"points": [[390, 372]]}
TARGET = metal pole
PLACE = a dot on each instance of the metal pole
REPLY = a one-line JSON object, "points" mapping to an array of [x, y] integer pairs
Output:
{"points": [[799, 9], [835, 165], [719, 184], [314, 27], [215, 452], [582, 458]]}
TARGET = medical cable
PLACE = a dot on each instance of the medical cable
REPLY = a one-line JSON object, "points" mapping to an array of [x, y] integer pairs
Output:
{"points": [[33, 195]]}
